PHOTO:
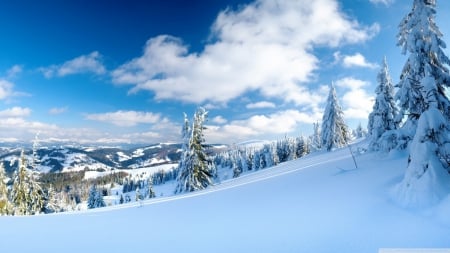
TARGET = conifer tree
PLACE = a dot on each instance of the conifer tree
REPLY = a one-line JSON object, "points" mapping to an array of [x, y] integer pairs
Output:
{"points": [[384, 114], [19, 193], [420, 38], [95, 198], [421, 93], [316, 138], [334, 130], [51, 202], [5, 205], [427, 178], [195, 172]]}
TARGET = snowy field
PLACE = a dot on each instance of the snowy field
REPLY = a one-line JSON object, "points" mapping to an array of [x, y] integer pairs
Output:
{"points": [[319, 203]]}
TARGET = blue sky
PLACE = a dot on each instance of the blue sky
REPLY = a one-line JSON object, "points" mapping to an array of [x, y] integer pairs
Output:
{"points": [[115, 72]]}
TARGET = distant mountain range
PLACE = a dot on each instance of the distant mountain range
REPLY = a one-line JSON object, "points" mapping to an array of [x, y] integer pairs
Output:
{"points": [[75, 158]]}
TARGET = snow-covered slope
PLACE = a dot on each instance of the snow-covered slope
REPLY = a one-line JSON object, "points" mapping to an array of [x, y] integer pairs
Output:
{"points": [[319, 203]]}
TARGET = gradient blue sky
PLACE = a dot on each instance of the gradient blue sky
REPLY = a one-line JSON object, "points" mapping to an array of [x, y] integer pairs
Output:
{"points": [[118, 71]]}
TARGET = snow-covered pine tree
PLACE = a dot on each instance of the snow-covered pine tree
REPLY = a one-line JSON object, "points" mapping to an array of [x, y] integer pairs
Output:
{"points": [[51, 203], [138, 195], [20, 190], [95, 198], [334, 130], [256, 163], [186, 155], [283, 150], [26, 194], [195, 172], [384, 114], [420, 38], [301, 148], [427, 178], [5, 205], [360, 132], [316, 138]]}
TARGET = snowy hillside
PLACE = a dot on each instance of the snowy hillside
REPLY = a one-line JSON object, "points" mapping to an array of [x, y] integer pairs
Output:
{"points": [[318, 203], [69, 158]]}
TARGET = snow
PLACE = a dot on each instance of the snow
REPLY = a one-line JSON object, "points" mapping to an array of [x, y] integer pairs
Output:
{"points": [[138, 152], [122, 156], [132, 172], [318, 203], [426, 181], [79, 162]]}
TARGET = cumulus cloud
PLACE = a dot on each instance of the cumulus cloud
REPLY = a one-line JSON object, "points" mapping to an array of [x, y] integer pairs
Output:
{"points": [[356, 101], [260, 105], [15, 112], [266, 46], [219, 120], [125, 118], [357, 60], [90, 63], [385, 2], [279, 123]]}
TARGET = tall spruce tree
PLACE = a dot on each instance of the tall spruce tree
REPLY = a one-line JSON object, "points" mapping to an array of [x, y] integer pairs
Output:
{"points": [[334, 130], [384, 114], [195, 172], [26, 194], [420, 38], [427, 178]]}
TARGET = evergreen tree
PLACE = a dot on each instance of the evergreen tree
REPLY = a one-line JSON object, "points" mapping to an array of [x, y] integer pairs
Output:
{"points": [[95, 198], [316, 138], [138, 195], [384, 113], [195, 172], [5, 205], [51, 203], [420, 37], [334, 130], [301, 148], [150, 193], [421, 94], [360, 132], [427, 178], [26, 195]]}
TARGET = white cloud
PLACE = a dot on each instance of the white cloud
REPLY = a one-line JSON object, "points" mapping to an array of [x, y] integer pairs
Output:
{"points": [[14, 71], [357, 102], [357, 60], [265, 46], [219, 120], [15, 112], [20, 129], [90, 63], [6, 89], [385, 2], [58, 110], [126, 118], [261, 126], [260, 105]]}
